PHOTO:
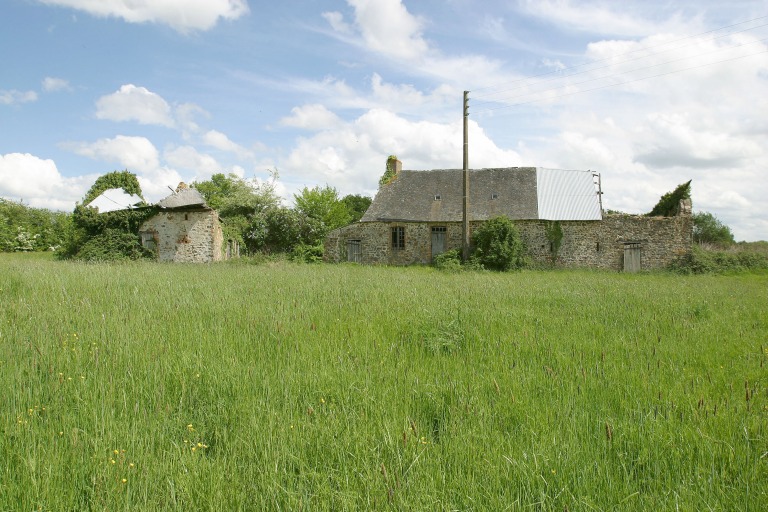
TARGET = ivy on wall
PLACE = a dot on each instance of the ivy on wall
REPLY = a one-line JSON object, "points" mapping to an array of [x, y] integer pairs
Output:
{"points": [[111, 235], [389, 173], [555, 237], [115, 179], [669, 204]]}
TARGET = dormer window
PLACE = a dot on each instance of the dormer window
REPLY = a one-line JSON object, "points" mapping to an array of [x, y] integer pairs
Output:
{"points": [[437, 197], [494, 196]]}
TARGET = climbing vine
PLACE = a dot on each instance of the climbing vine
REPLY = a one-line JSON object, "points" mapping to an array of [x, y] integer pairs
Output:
{"points": [[390, 172], [555, 237], [669, 204], [110, 235], [115, 179]]}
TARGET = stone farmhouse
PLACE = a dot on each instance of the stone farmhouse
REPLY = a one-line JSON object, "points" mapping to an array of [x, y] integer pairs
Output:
{"points": [[185, 229], [418, 215]]}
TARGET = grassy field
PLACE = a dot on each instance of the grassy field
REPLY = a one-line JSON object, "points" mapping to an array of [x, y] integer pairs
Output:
{"points": [[312, 387]]}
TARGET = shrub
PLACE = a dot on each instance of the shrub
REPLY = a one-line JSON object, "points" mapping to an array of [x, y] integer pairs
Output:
{"points": [[703, 261], [498, 245], [449, 261], [113, 245], [307, 253]]}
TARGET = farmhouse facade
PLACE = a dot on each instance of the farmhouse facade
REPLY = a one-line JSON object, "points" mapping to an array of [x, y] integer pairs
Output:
{"points": [[418, 215], [185, 229]]}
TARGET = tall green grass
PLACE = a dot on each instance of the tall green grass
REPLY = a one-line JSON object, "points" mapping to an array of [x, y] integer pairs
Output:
{"points": [[311, 387]]}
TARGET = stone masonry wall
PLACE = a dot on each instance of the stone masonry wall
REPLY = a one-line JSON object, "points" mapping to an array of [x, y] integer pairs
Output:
{"points": [[590, 244], [186, 236]]}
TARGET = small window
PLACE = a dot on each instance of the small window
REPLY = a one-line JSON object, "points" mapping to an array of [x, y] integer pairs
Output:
{"points": [[354, 251], [494, 196], [186, 216], [398, 238], [437, 197]]}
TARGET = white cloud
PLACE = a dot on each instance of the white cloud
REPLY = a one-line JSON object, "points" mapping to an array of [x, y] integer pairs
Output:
{"points": [[137, 154], [336, 20], [220, 141], [51, 84], [181, 15], [387, 27], [38, 182], [313, 117], [351, 156], [13, 96], [132, 103], [187, 157], [625, 19]]}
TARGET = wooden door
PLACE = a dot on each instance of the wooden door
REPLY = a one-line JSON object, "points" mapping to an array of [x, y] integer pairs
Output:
{"points": [[632, 253], [438, 240]]}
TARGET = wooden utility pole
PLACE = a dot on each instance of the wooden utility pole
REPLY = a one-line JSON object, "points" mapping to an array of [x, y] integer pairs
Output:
{"points": [[465, 202]]}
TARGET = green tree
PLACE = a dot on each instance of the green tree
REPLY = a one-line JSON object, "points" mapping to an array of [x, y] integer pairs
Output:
{"points": [[242, 205], [323, 204], [498, 245], [356, 205], [708, 229]]}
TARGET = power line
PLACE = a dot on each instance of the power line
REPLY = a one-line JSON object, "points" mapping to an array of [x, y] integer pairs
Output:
{"points": [[629, 53]]}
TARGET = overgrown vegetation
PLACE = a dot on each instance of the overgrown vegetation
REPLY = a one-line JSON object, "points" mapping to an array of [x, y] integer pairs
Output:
{"points": [[27, 229], [707, 229], [390, 173], [109, 236], [702, 260], [253, 214], [555, 237], [498, 246], [345, 387], [669, 204]]}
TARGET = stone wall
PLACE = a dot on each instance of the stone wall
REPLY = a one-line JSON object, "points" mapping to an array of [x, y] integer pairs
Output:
{"points": [[185, 236], [590, 244]]}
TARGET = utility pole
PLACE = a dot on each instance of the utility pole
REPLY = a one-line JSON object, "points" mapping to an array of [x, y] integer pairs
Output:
{"points": [[465, 202]]}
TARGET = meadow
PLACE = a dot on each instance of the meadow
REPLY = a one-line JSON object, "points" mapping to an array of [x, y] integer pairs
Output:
{"points": [[281, 386]]}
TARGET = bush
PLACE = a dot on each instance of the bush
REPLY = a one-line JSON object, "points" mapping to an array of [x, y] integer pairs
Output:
{"points": [[113, 245], [703, 261], [498, 245], [449, 261], [307, 253]]}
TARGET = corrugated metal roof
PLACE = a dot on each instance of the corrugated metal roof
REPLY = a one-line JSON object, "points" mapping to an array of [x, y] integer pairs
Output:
{"points": [[567, 195], [115, 199]]}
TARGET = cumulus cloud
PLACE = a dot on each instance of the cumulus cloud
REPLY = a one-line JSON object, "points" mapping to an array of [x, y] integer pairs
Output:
{"points": [[132, 103], [311, 117], [181, 15], [51, 84], [187, 157], [13, 97], [220, 141], [37, 182], [136, 154], [351, 156]]}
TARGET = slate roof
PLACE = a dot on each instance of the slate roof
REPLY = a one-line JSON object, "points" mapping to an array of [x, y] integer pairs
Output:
{"points": [[516, 192], [183, 198]]}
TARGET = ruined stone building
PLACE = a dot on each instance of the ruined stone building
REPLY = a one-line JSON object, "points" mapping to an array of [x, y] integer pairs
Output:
{"points": [[185, 229], [418, 215]]}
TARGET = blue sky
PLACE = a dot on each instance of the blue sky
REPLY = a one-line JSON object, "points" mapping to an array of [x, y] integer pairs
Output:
{"points": [[648, 94]]}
